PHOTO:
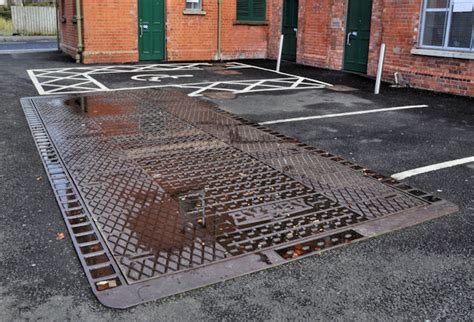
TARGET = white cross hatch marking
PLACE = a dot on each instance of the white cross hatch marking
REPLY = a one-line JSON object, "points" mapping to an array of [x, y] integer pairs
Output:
{"points": [[45, 79]]}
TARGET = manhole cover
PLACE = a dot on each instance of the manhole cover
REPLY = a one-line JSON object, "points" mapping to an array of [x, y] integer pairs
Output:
{"points": [[341, 88], [227, 72], [216, 67], [220, 95], [163, 193]]}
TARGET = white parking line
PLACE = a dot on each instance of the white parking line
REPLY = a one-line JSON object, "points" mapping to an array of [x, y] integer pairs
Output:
{"points": [[304, 118], [430, 168]]}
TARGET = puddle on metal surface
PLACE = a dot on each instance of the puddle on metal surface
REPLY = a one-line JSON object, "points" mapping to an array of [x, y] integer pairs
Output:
{"points": [[171, 184]]}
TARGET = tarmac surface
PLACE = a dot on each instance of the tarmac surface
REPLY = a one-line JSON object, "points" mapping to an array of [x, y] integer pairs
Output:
{"points": [[10, 45], [423, 272]]}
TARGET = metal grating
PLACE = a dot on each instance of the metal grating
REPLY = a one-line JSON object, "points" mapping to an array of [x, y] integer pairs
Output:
{"points": [[160, 187], [99, 266]]}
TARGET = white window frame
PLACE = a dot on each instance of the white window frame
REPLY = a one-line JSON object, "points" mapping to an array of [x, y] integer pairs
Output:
{"points": [[447, 28], [199, 8]]}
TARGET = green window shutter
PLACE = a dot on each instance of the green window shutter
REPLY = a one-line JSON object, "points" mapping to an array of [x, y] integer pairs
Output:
{"points": [[251, 10], [259, 10], [243, 9]]}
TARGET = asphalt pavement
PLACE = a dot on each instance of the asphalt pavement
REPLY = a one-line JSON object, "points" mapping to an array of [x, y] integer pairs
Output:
{"points": [[27, 44], [420, 273]]}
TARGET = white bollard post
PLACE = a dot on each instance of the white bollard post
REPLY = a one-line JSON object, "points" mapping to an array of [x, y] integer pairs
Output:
{"points": [[380, 70], [279, 53]]}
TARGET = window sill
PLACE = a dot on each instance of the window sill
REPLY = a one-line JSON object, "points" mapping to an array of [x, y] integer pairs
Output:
{"points": [[251, 23], [194, 12], [443, 53]]}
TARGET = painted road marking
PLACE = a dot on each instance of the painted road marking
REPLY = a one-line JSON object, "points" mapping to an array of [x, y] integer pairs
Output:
{"points": [[255, 85], [305, 118], [73, 80], [157, 77], [241, 65], [430, 168]]}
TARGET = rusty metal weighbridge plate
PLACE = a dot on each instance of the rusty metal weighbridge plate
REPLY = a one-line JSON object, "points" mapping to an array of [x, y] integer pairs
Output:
{"points": [[163, 193]]}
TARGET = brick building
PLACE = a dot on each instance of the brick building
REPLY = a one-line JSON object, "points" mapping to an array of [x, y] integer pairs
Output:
{"points": [[430, 43]]}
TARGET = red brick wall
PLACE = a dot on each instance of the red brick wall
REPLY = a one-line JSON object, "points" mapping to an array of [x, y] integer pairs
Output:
{"points": [[242, 41], [337, 35], [319, 44], [274, 30], [376, 35], [111, 35], [190, 37], [68, 30], [110, 31], [400, 33], [194, 37], [396, 23]]}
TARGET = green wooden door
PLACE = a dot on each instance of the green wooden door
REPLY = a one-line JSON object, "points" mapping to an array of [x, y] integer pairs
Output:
{"points": [[356, 55], [151, 30], [289, 29]]}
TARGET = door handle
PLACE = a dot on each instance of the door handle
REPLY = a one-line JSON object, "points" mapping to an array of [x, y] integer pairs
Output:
{"points": [[348, 40], [141, 28]]}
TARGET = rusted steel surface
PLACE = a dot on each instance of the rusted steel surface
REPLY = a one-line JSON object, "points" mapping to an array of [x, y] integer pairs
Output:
{"points": [[166, 185]]}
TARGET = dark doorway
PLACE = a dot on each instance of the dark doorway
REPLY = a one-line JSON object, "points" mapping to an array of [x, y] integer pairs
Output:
{"points": [[359, 15], [290, 29], [151, 30]]}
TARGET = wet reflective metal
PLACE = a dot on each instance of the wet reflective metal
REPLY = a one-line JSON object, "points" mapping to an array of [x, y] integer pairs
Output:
{"points": [[163, 193]]}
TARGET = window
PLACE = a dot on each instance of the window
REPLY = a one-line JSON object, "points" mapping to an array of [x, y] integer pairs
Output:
{"points": [[251, 10], [448, 24], [194, 5]]}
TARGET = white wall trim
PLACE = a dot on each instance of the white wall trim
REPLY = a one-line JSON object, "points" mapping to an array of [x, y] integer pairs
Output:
{"points": [[443, 53]]}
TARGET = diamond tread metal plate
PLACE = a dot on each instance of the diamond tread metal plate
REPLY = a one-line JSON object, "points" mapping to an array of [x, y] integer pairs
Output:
{"points": [[163, 193]]}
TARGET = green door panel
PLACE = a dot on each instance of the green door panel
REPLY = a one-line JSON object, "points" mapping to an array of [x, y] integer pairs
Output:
{"points": [[356, 54], [151, 29], [289, 29]]}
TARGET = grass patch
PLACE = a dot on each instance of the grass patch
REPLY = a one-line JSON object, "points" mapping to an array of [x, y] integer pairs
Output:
{"points": [[5, 14], [6, 26]]}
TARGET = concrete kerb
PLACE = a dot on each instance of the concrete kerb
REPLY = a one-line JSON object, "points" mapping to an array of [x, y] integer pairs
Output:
{"points": [[25, 38]]}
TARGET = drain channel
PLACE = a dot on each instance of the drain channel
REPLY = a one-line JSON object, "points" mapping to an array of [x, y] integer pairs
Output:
{"points": [[96, 260]]}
